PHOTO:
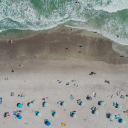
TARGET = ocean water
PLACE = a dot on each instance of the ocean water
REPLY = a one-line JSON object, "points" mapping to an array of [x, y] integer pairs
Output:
{"points": [[108, 17]]}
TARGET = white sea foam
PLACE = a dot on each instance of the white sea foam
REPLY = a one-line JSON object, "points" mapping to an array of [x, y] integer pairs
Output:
{"points": [[23, 16], [112, 37], [106, 5]]}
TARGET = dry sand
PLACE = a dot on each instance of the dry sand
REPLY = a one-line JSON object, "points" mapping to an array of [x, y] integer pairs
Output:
{"points": [[45, 59]]}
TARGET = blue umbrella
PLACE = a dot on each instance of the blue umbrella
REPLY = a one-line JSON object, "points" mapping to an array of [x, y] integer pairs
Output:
{"points": [[48, 123], [19, 117], [20, 105]]}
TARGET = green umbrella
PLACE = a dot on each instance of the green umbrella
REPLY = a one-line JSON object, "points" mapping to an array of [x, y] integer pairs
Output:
{"points": [[55, 115], [63, 104], [119, 106], [82, 104], [45, 104], [96, 112], [74, 115], [123, 121], [30, 105], [102, 103], [39, 114], [111, 117]]}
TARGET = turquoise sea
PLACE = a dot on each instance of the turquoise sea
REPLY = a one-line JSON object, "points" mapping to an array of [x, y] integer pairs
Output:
{"points": [[108, 17]]}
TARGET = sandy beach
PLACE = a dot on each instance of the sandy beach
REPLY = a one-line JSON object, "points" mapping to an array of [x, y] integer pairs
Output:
{"points": [[67, 55]]}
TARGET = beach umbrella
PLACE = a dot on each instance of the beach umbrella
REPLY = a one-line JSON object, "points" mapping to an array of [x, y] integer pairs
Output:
{"points": [[90, 98], [55, 115], [82, 104], [111, 117], [7, 115], [119, 106], [74, 115], [63, 104], [123, 121], [96, 112], [39, 114], [19, 117], [102, 103], [48, 123], [45, 104], [20, 105], [30, 105]]}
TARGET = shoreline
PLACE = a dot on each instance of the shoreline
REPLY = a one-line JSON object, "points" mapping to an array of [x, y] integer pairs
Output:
{"points": [[118, 48], [62, 43]]}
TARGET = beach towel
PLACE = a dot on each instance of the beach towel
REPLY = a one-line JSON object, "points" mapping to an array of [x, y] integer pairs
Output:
{"points": [[71, 97], [0, 100], [63, 124]]}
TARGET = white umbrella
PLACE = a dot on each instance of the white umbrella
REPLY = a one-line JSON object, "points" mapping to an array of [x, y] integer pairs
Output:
{"points": [[74, 116], [39, 114]]}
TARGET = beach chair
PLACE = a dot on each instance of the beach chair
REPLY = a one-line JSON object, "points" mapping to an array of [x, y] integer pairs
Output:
{"points": [[118, 118], [114, 104], [77, 86], [0, 100], [74, 84], [20, 111], [46, 120], [63, 124], [108, 115], [117, 104], [13, 71], [53, 112], [79, 102], [36, 112], [58, 102], [12, 93], [14, 113], [67, 83], [117, 115], [71, 113]]}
